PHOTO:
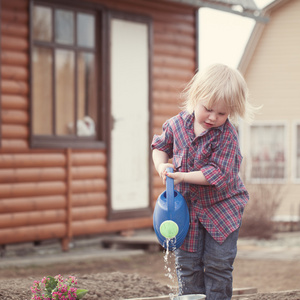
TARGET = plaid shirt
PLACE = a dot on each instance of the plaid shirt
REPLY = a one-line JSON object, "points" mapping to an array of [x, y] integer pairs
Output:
{"points": [[220, 205]]}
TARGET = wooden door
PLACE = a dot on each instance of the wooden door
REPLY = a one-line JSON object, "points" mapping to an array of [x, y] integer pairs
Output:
{"points": [[130, 114]]}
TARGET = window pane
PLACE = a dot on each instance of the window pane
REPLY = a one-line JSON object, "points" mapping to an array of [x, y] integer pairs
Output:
{"points": [[87, 104], [85, 30], [64, 27], [42, 91], [267, 151], [42, 23], [64, 75]]}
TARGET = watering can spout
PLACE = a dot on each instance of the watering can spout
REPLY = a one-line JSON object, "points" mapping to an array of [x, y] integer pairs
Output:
{"points": [[171, 217]]}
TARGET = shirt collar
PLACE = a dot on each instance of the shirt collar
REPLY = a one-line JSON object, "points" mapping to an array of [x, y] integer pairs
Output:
{"points": [[189, 122]]}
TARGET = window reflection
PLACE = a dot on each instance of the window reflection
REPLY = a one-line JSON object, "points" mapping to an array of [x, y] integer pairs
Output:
{"points": [[87, 101], [64, 27], [64, 105], [42, 23], [42, 91], [85, 30]]}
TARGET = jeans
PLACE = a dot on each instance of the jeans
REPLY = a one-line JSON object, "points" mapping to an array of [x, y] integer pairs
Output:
{"points": [[208, 271]]}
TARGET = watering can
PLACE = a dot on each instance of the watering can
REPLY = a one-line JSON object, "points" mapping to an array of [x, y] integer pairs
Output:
{"points": [[171, 218]]}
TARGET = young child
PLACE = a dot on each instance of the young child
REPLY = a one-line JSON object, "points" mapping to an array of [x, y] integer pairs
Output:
{"points": [[206, 157]]}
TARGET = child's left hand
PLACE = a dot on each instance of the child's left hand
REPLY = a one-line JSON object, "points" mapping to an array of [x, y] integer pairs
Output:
{"points": [[178, 177]]}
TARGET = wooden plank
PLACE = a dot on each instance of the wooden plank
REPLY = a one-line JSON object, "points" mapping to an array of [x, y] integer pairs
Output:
{"points": [[14, 58], [89, 172], [12, 220], [16, 87], [32, 175], [184, 75], [14, 116], [88, 158], [89, 199], [15, 4], [165, 108], [14, 102], [89, 213], [173, 62], [14, 43], [10, 131], [13, 28], [24, 204], [14, 72], [244, 291], [32, 233], [32, 189], [14, 16], [88, 186], [28, 160], [14, 145]]}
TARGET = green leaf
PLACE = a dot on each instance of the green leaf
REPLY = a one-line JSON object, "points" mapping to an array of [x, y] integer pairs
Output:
{"points": [[80, 293], [51, 284]]}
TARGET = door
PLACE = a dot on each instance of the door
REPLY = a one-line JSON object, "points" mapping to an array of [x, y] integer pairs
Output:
{"points": [[129, 157]]}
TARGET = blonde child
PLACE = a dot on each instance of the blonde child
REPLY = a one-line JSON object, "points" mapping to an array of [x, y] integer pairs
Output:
{"points": [[205, 150]]}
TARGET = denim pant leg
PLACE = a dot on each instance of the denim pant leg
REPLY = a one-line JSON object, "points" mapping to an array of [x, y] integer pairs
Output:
{"points": [[190, 269], [208, 271], [190, 272], [218, 262]]}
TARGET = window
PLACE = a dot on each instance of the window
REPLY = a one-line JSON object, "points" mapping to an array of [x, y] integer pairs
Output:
{"points": [[64, 58], [267, 152]]}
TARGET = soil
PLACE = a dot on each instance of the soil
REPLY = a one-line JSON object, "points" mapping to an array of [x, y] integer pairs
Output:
{"points": [[147, 275]]}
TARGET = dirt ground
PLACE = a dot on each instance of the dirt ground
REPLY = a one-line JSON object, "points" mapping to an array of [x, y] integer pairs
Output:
{"points": [[149, 275]]}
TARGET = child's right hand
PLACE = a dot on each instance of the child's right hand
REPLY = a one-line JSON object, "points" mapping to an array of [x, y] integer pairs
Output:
{"points": [[162, 170]]}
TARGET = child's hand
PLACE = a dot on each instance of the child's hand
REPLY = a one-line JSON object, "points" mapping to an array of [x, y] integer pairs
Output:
{"points": [[162, 170], [178, 177]]}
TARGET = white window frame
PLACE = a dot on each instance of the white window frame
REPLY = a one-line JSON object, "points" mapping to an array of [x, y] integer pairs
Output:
{"points": [[285, 148], [295, 179]]}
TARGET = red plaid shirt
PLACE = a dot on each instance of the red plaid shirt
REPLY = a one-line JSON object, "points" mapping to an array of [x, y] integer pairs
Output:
{"points": [[220, 205]]}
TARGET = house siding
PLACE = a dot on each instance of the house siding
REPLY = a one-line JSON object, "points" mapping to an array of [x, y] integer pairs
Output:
{"points": [[272, 75], [46, 194]]}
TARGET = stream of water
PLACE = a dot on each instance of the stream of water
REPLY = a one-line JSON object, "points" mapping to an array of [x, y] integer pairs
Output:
{"points": [[170, 269]]}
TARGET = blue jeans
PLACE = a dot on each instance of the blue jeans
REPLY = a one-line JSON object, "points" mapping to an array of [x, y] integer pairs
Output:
{"points": [[208, 271]]}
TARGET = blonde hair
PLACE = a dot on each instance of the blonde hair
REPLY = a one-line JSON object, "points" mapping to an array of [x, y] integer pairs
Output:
{"points": [[216, 83]]}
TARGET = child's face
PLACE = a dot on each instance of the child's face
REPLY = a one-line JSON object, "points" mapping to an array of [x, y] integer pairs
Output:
{"points": [[214, 116]]}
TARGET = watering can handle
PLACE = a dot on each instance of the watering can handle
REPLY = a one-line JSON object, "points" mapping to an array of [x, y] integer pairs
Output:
{"points": [[170, 191]]}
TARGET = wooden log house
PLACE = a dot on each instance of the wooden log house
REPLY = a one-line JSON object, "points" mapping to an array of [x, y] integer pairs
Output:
{"points": [[84, 86]]}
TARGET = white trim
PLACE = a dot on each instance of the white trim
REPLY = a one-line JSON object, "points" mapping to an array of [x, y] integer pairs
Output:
{"points": [[285, 148], [294, 153]]}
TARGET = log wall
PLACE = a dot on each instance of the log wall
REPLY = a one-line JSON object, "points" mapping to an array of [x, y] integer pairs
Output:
{"points": [[47, 194]]}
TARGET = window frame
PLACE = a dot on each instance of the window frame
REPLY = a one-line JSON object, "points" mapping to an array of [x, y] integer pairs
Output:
{"points": [[295, 179], [285, 149], [73, 141]]}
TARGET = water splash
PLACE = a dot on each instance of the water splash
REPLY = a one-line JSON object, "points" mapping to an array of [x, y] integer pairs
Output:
{"points": [[170, 271]]}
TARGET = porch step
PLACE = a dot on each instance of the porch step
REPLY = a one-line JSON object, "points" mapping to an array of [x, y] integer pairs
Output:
{"points": [[147, 241]]}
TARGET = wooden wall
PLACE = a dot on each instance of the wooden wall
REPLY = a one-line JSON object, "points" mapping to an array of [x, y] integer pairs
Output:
{"points": [[47, 194]]}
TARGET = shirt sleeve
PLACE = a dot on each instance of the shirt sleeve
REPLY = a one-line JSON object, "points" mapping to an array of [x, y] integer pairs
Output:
{"points": [[164, 142], [224, 163]]}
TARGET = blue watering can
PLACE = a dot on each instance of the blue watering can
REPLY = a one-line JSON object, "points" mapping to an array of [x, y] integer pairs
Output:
{"points": [[171, 218]]}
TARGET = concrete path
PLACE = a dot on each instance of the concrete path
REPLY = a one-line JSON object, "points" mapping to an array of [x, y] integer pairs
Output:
{"points": [[284, 246]]}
